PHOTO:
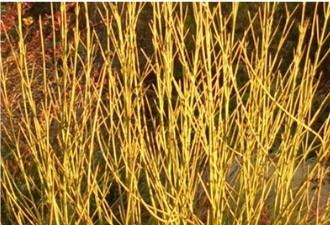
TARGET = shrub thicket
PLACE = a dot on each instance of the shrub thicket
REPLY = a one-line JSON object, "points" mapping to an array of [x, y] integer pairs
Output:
{"points": [[165, 113]]}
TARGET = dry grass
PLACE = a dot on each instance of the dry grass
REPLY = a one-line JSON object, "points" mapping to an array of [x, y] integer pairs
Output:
{"points": [[196, 148]]}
